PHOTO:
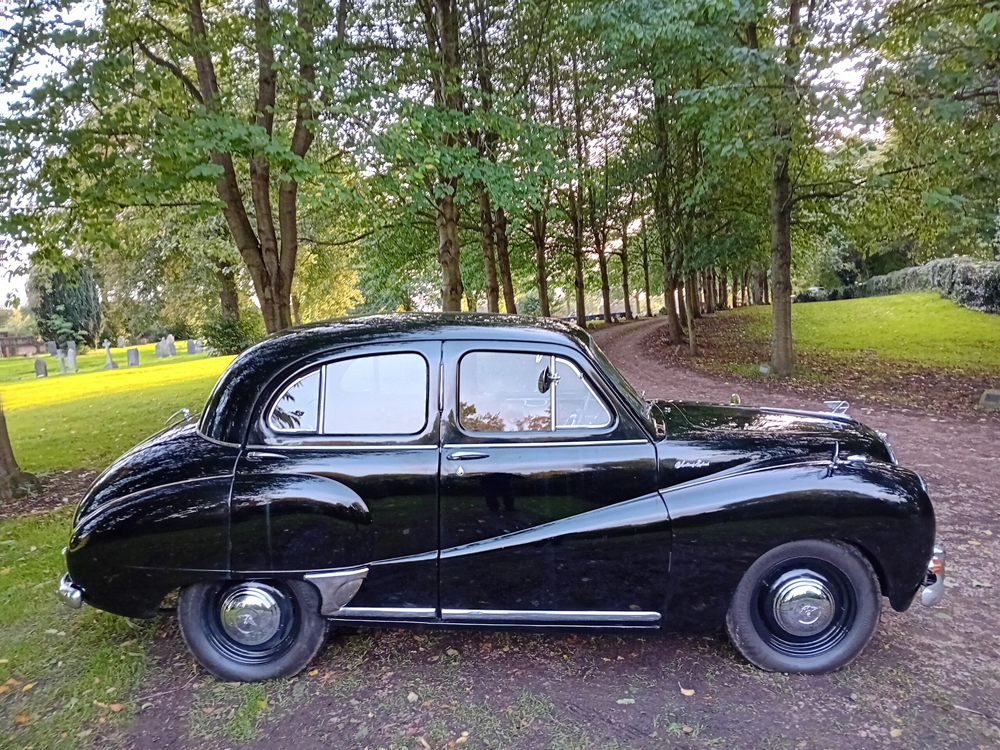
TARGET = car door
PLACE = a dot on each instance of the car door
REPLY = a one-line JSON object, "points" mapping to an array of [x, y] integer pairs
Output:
{"points": [[549, 506], [340, 470]]}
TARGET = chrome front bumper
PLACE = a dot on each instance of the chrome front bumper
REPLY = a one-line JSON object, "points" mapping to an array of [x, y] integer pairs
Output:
{"points": [[933, 587], [71, 593]]}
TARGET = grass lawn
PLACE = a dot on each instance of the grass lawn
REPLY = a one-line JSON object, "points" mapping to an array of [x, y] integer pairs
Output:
{"points": [[88, 419], [13, 369], [68, 678], [922, 329]]}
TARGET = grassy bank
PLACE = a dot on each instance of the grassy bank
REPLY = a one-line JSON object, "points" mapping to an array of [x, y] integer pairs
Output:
{"points": [[917, 329]]}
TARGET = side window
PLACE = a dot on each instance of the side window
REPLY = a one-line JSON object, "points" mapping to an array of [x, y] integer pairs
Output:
{"points": [[512, 392], [297, 409], [501, 392], [384, 394], [576, 403]]}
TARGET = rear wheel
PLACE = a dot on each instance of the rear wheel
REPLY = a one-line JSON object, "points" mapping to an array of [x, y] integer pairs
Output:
{"points": [[808, 607], [248, 631]]}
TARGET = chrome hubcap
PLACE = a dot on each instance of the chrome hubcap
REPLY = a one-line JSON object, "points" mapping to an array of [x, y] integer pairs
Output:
{"points": [[803, 606], [250, 614]]}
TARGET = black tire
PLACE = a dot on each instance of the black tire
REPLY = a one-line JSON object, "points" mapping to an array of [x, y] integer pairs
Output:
{"points": [[837, 582], [300, 630]]}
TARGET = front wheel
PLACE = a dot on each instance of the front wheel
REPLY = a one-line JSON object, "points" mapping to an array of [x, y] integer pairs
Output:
{"points": [[807, 607], [249, 631]]}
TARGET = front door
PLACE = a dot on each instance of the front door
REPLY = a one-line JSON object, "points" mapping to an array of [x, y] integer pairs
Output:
{"points": [[340, 471], [549, 506]]}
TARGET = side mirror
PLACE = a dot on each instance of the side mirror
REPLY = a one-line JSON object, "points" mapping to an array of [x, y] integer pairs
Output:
{"points": [[545, 380]]}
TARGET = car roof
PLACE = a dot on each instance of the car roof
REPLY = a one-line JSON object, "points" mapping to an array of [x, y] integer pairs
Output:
{"points": [[227, 414]]}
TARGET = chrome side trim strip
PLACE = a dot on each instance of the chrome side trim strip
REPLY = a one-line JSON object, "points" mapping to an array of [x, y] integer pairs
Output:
{"points": [[547, 616], [544, 444], [388, 613], [335, 447], [337, 588], [223, 443]]}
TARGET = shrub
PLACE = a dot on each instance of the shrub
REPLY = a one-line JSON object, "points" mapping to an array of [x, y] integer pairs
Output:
{"points": [[228, 336], [970, 282]]}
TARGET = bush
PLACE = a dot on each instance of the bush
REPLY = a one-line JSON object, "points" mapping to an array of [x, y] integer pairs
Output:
{"points": [[232, 337], [970, 282]]}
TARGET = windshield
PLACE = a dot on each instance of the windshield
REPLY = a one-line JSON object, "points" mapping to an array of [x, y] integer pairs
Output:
{"points": [[625, 388]]}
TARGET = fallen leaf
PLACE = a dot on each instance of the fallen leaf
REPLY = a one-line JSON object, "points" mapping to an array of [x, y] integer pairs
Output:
{"points": [[262, 704], [22, 718], [4, 571], [424, 743], [116, 707], [28, 687], [452, 652], [896, 732], [3, 689], [4, 661], [687, 730], [208, 710], [313, 672], [971, 541], [686, 691], [626, 701], [412, 697], [12, 681]]}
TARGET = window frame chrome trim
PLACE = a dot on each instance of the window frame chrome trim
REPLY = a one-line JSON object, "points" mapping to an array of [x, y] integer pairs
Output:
{"points": [[586, 382], [521, 443], [339, 446]]}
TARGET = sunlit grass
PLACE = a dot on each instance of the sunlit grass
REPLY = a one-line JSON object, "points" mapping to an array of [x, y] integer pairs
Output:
{"points": [[920, 329], [87, 420]]}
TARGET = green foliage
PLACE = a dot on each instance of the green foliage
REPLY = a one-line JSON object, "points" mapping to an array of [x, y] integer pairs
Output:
{"points": [[969, 282], [228, 336], [67, 303]]}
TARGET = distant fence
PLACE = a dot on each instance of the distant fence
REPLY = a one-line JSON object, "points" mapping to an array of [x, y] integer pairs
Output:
{"points": [[970, 282], [12, 346]]}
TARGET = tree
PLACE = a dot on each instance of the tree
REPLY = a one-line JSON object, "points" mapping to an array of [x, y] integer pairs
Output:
{"points": [[67, 303], [159, 100]]}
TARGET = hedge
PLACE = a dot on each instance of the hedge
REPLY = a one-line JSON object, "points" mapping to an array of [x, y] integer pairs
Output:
{"points": [[970, 282]]}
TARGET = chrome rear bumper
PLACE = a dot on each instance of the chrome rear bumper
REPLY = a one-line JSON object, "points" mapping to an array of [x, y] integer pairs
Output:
{"points": [[71, 593], [933, 588]]}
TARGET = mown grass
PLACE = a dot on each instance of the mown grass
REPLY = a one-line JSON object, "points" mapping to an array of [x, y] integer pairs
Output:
{"points": [[66, 678], [14, 369], [87, 420], [918, 329]]}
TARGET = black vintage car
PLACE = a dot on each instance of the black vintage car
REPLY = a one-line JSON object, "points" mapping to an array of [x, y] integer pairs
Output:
{"points": [[476, 470]]}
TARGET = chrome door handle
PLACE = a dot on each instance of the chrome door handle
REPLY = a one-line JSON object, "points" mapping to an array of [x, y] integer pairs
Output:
{"points": [[466, 456], [261, 455]]}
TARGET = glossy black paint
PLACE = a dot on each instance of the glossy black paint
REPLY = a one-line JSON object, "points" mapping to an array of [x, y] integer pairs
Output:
{"points": [[660, 512]]}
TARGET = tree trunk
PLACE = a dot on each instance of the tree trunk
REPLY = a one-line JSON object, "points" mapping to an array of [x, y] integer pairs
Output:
{"points": [[503, 256], [781, 264], [489, 253], [710, 291], [694, 294], [577, 222], [602, 262], [229, 298], [624, 256], [295, 310], [692, 313], [645, 269], [13, 481], [756, 285], [448, 253], [538, 228], [767, 290], [723, 292], [682, 305], [470, 303]]}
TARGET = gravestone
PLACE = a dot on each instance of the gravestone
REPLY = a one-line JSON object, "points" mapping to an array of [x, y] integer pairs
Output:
{"points": [[71, 346], [990, 400], [192, 349], [161, 348], [199, 346], [121, 342], [62, 361], [71, 359], [51, 347], [765, 369], [109, 364], [41, 369], [132, 356], [171, 347]]}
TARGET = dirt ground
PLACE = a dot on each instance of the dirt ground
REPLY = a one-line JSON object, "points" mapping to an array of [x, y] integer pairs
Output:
{"points": [[929, 679]]}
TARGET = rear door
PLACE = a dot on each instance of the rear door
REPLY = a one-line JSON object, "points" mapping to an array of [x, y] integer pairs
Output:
{"points": [[341, 470], [549, 508]]}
